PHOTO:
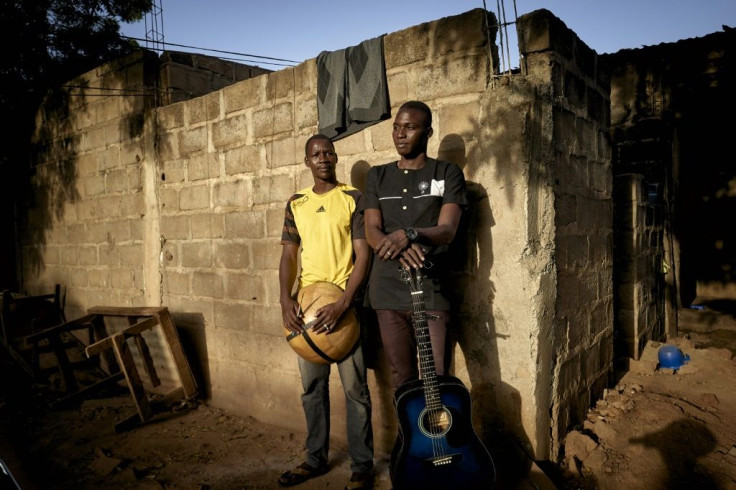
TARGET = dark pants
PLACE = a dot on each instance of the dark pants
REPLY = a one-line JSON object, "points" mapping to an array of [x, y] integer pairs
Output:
{"points": [[400, 344]]}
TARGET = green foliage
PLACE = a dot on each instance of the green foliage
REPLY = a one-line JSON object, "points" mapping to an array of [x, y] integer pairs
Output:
{"points": [[48, 42]]}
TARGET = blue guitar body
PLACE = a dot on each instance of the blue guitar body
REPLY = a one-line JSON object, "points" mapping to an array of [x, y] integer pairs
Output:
{"points": [[436, 447], [451, 457]]}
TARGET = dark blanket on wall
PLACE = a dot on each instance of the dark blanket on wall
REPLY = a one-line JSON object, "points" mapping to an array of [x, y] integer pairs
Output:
{"points": [[352, 91]]}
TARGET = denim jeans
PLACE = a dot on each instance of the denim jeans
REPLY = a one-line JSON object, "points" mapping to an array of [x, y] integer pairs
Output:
{"points": [[316, 403]]}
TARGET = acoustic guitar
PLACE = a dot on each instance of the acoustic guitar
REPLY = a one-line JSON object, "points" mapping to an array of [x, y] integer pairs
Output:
{"points": [[436, 447]]}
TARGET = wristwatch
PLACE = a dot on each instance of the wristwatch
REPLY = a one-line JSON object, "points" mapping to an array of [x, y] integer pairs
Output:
{"points": [[411, 234]]}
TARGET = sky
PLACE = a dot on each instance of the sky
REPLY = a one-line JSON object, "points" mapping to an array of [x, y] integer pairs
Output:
{"points": [[297, 30]]}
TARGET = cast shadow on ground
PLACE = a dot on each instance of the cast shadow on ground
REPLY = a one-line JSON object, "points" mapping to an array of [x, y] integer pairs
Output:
{"points": [[680, 444]]}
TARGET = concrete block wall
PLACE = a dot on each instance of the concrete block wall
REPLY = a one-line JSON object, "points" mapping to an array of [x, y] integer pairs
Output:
{"points": [[574, 99], [85, 228], [216, 171], [639, 259]]}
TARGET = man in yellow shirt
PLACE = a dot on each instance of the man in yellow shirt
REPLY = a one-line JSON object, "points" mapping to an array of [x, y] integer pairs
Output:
{"points": [[326, 221]]}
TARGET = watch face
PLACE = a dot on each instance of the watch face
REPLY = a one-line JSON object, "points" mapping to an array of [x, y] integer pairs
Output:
{"points": [[412, 234]]}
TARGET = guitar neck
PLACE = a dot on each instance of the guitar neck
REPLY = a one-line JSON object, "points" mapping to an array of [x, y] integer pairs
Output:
{"points": [[427, 369]]}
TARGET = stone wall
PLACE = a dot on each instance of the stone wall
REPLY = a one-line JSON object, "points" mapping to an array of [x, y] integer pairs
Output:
{"points": [[189, 213], [571, 163]]}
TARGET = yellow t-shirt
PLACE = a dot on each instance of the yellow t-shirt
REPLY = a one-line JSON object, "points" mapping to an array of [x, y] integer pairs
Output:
{"points": [[325, 226]]}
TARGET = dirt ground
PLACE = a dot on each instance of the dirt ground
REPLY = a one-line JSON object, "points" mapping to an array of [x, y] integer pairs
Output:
{"points": [[656, 429]]}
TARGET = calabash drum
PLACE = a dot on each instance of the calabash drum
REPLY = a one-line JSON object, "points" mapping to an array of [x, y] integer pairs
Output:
{"points": [[323, 348]]}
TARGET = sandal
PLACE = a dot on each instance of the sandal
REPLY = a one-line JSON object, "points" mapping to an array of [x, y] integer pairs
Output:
{"points": [[300, 474], [360, 481]]}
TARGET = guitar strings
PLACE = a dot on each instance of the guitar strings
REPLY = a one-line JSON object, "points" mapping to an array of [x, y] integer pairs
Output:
{"points": [[427, 370]]}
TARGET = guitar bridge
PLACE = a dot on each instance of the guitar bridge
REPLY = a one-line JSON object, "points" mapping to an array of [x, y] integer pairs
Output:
{"points": [[445, 460]]}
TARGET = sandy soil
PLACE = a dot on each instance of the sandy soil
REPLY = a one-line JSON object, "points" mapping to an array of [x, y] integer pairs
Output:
{"points": [[656, 429]]}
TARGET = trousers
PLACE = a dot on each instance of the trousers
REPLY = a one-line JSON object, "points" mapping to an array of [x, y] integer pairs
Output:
{"points": [[316, 404], [400, 344]]}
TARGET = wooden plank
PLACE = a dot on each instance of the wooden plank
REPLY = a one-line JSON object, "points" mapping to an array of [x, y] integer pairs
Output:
{"points": [[127, 364], [126, 310], [88, 389], [64, 327], [177, 352], [99, 331], [70, 381], [148, 365], [106, 343]]}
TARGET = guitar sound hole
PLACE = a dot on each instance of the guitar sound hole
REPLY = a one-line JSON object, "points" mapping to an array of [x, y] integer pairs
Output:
{"points": [[435, 423]]}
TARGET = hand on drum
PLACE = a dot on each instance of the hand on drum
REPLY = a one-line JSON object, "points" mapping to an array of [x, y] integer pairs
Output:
{"points": [[328, 317], [292, 315]]}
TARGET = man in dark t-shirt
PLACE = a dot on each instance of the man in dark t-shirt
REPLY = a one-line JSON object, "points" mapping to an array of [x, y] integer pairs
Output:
{"points": [[412, 211]]}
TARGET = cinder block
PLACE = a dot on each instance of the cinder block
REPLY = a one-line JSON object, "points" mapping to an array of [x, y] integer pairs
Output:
{"points": [[207, 225], [245, 224], [116, 181], [173, 171], [192, 141], [244, 94], [196, 254], [458, 76], [177, 283], [250, 158], [207, 284], [265, 254], [194, 197], [275, 221], [68, 256], [131, 254], [232, 255], [306, 114], [175, 227], [462, 32], [406, 46], [241, 286], [237, 194], [274, 189], [99, 278], [236, 316], [273, 120], [280, 84], [284, 152], [351, 145], [171, 116], [203, 166], [230, 132]]}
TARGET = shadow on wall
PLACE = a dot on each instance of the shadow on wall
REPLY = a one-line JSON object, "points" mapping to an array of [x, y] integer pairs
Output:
{"points": [[51, 182], [190, 327], [474, 323]]}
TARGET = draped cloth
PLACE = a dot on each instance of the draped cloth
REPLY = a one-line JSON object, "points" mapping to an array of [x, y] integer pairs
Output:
{"points": [[352, 91]]}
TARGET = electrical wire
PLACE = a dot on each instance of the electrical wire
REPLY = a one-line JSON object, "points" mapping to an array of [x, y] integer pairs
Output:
{"points": [[217, 50]]}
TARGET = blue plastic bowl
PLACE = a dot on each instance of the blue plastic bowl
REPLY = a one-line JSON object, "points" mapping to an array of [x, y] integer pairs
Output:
{"points": [[671, 357]]}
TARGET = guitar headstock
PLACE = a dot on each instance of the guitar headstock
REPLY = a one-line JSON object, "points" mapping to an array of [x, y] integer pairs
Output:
{"points": [[413, 277]]}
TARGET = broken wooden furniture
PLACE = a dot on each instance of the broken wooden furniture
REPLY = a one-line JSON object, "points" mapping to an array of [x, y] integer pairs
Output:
{"points": [[22, 315], [108, 346], [142, 319]]}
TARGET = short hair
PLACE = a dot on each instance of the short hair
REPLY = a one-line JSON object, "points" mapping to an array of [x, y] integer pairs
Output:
{"points": [[318, 136], [419, 106]]}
